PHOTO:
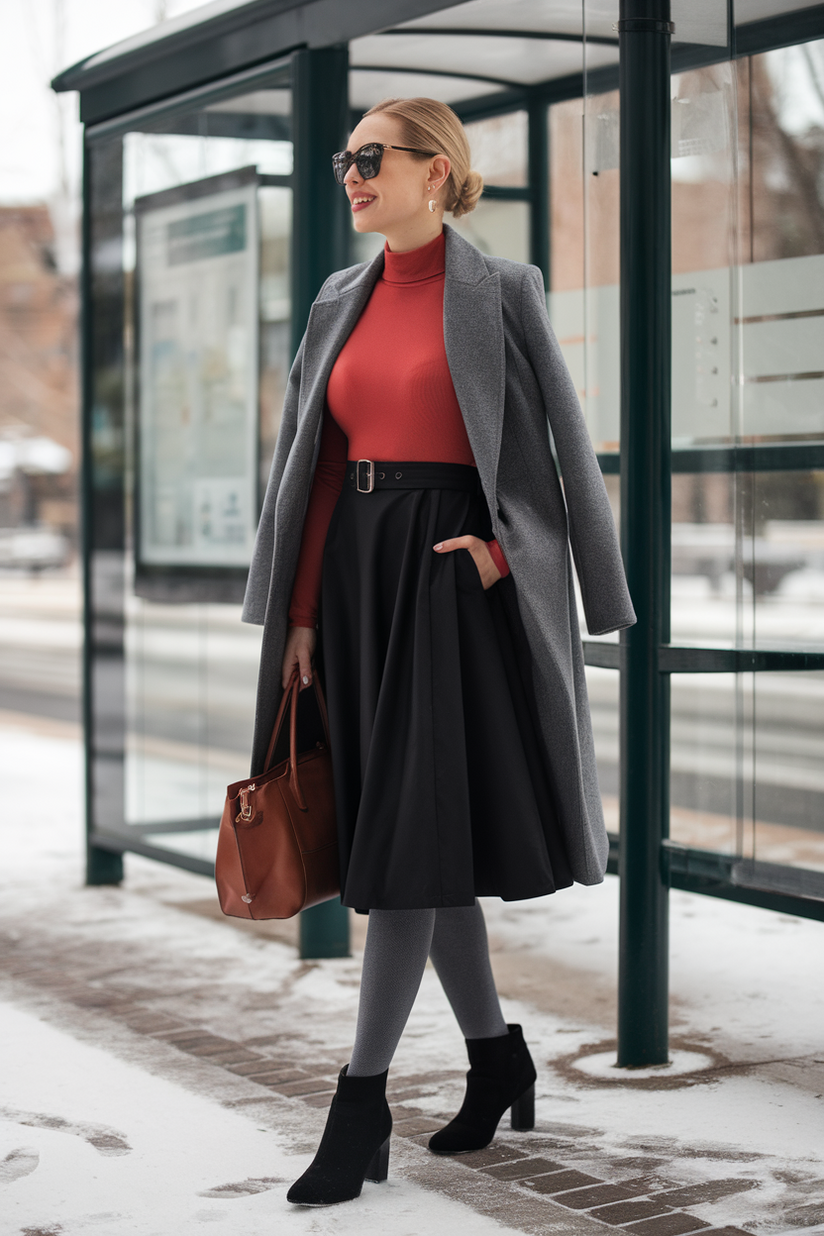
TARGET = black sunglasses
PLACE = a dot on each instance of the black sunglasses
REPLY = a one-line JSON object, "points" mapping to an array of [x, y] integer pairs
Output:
{"points": [[367, 159]]}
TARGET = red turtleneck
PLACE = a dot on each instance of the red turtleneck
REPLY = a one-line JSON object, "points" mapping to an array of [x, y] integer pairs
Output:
{"points": [[389, 396]]}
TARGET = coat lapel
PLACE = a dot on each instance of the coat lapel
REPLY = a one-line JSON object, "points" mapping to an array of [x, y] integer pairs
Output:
{"points": [[331, 322], [474, 339]]}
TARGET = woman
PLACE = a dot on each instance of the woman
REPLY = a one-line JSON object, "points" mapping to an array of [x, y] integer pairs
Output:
{"points": [[415, 519]]}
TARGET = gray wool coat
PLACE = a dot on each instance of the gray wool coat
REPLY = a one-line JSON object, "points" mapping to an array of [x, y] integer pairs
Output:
{"points": [[512, 385]]}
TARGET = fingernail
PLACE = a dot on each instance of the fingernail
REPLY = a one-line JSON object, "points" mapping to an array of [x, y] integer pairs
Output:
{"points": [[305, 679], [438, 546]]}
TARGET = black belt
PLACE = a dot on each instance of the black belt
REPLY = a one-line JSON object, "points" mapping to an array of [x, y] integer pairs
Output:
{"points": [[364, 475]]}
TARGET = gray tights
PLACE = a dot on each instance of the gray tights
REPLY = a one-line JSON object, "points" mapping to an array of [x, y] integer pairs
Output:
{"points": [[398, 943]]}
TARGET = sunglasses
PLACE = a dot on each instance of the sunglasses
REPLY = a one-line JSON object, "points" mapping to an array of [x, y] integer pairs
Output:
{"points": [[367, 159]]}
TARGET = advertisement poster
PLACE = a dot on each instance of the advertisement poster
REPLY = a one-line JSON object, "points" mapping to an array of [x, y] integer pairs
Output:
{"points": [[198, 378]]}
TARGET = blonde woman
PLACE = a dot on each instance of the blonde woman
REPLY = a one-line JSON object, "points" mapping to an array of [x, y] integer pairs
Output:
{"points": [[414, 549]]}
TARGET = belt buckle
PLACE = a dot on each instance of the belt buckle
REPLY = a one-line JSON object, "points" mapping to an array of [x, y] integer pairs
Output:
{"points": [[370, 476]]}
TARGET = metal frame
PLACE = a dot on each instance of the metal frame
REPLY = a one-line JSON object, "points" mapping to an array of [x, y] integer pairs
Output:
{"points": [[102, 866], [646, 349], [319, 247]]}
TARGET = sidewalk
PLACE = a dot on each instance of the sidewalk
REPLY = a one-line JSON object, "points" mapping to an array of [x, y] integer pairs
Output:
{"points": [[167, 1070]]}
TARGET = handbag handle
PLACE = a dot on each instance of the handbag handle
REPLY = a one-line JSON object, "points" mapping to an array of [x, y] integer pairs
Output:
{"points": [[292, 691]]}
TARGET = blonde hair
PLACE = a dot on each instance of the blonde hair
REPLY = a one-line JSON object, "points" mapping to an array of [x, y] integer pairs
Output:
{"points": [[430, 125]]}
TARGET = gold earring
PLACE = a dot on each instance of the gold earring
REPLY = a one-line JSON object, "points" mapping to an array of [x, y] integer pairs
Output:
{"points": [[432, 203]]}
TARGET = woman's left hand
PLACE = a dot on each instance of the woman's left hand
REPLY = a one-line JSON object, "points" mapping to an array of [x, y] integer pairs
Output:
{"points": [[479, 550]]}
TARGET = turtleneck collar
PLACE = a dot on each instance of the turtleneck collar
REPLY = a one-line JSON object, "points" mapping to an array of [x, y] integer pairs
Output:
{"points": [[426, 262]]}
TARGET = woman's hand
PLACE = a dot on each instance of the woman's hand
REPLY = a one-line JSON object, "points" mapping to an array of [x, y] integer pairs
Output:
{"points": [[479, 550], [300, 648]]}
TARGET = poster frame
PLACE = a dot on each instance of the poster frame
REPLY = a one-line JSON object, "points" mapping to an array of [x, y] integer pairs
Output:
{"points": [[184, 583]]}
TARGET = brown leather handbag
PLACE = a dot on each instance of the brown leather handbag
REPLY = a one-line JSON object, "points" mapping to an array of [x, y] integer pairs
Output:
{"points": [[277, 849]]}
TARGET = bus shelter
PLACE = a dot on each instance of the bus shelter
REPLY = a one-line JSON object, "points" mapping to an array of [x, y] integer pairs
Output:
{"points": [[663, 165]]}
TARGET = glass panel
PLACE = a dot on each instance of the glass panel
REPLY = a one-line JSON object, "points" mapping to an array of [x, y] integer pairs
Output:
{"points": [[214, 185], [706, 569], [703, 230], [251, 129], [602, 688], [783, 557], [786, 197], [747, 346], [707, 720], [498, 227], [788, 790], [275, 218], [584, 304], [781, 314], [190, 688], [748, 337], [499, 149], [745, 775]]}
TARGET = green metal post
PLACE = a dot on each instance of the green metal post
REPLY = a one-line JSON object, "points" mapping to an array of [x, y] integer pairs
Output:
{"points": [[538, 154], [320, 126], [644, 82], [103, 740]]}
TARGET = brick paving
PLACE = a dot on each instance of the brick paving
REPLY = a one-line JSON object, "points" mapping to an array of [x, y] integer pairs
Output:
{"points": [[643, 1204]]}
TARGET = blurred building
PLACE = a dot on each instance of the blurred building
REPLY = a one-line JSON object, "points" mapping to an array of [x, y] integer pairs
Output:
{"points": [[39, 378]]}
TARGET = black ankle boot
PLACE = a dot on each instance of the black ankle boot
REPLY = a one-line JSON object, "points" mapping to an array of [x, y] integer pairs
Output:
{"points": [[354, 1146], [501, 1075]]}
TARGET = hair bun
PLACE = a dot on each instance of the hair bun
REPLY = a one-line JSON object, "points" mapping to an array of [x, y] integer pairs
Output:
{"points": [[470, 192]]}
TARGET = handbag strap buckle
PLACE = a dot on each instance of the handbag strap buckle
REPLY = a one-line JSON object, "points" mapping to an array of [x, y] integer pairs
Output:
{"points": [[246, 809]]}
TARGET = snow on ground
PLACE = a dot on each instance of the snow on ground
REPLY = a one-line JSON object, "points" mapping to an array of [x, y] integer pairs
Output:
{"points": [[165, 1174], [746, 988], [102, 1145]]}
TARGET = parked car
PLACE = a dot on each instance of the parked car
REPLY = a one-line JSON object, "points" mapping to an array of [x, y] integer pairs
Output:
{"points": [[33, 549]]}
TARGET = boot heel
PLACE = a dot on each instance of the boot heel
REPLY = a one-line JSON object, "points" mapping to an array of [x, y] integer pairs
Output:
{"points": [[378, 1169], [522, 1112]]}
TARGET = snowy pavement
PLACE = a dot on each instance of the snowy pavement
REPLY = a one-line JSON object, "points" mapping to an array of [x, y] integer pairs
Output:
{"points": [[166, 1070]]}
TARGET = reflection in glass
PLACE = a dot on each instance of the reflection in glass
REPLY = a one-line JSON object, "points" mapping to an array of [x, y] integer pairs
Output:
{"points": [[706, 761], [499, 149], [191, 673], [748, 559], [785, 92], [788, 788], [745, 775], [584, 255], [275, 213], [498, 227], [602, 689], [705, 565]]}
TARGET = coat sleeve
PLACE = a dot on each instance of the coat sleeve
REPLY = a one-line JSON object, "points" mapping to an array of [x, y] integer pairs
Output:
{"points": [[592, 534], [260, 570], [326, 487]]}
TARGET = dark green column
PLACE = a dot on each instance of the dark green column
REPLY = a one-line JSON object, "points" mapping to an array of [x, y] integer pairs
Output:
{"points": [[644, 80], [320, 219], [102, 504], [539, 205]]}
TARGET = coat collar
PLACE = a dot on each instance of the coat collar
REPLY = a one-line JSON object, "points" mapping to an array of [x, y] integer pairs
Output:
{"points": [[473, 337], [464, 263]]}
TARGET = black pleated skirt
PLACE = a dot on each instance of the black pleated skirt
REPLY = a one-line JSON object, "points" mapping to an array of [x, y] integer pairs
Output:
{"points": [[442, 788]]}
